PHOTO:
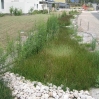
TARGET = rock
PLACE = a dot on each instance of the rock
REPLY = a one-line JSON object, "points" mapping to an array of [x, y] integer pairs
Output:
{"points": [[55, 87], [59, 88], [38, 94], [89, 97], [76, 94], [46, 96], [87, 93], [50, 94], [66, 96], [25, 89], [37, 87], [54, 94], [60, 94]]}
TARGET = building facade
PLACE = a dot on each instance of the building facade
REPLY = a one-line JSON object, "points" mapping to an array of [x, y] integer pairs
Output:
{"points": [[25, 5], [62, 1]]}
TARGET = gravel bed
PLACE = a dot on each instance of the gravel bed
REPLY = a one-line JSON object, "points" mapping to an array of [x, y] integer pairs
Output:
{"points": [[26, 89]]}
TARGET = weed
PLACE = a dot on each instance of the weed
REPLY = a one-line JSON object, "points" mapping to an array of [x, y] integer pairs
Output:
{"points": [[1, 14], [11, 10], [93, 45], [17, 12], [31, 11], [5, 92], [97, 82]]}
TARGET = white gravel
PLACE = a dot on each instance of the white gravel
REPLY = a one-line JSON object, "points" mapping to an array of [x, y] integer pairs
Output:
{"points": [[26, 89]]}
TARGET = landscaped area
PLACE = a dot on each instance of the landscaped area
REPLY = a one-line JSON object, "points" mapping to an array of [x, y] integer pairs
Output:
{"points": [[49, 54]]}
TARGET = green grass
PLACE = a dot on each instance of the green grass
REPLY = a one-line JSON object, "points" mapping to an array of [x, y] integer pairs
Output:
{"points": [[12, 25], [5, 92], [61, 61]]}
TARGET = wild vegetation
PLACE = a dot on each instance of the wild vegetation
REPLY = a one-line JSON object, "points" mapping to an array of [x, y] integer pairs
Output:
{"points": [[55, 58], [5, 93], [50, 55]]}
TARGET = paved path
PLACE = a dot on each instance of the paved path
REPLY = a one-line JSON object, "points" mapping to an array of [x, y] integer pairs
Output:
{"points": [[89, 22], [96, 15]]}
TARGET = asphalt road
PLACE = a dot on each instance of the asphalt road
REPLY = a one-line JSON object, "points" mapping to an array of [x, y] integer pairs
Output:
{"points": [[96, 15]]}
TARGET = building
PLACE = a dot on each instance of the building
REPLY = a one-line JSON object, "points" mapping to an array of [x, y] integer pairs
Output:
{"points": [[62, 1], [25, 5]]}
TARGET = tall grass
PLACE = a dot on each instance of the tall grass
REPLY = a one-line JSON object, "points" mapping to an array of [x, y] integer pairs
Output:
{"points": [[5, 93], [93, 44], [49, 55], [37, 38], [61, 61]]}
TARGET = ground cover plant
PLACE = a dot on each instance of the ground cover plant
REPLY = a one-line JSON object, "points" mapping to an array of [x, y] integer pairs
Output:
{"points": [[5, 93], [60, 60]]}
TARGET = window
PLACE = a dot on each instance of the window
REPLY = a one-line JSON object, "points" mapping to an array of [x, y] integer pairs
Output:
{"points": [[2, 4]]}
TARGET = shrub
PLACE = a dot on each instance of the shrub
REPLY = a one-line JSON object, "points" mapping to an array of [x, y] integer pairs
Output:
{"points": [[11, 10], [52, 26], [1, 14], [65, 21], [97, 82], [93, 44], [5, 92], [63, 14], [35, 12], [17, 12], [31, 11], [73, 12], [53, 5], [45, 11]]}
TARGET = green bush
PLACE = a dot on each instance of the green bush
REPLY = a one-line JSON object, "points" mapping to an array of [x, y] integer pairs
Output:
{"points": [[73, 12], [52, 26], [93, 44], [17, 12], [65, 21], [1, 14], [45, 11], [5, 92], [35, 12], [11, 10], [63, 14], [97, 82], [31, 11]]}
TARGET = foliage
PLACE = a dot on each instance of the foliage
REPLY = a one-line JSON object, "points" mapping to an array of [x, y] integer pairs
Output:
{"points": [[11, 10], [60, 60], [93, 45], [63, 14], [31, 11], [40, 11], [53, 5], [35, 12], [73, 12], [52, 26], [1, 14], [65, 21], [97, 82], [36, 40], [5, 92], [17, 12]]}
